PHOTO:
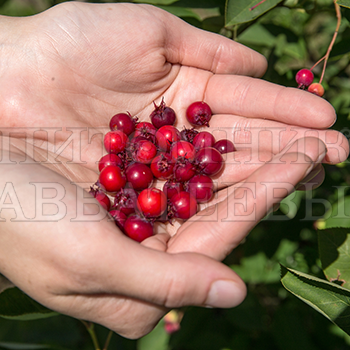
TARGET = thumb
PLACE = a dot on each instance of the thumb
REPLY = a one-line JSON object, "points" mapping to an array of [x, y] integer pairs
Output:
{"points": [[131, 270]]}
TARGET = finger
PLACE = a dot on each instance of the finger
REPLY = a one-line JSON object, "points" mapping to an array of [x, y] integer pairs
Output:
{"points": [[256, 98], [258, 135], [246, 204], [312, 180], [190, 46]]}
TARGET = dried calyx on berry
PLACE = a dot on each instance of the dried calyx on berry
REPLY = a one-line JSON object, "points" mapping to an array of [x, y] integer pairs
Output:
{"points": [[162, 115]]}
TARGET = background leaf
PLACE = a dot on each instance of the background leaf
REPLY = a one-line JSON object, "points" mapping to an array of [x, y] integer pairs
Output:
{"points": [[15, 304], [238, 11], [158, 339], [328, 298], [344, 3], [334, 249]]}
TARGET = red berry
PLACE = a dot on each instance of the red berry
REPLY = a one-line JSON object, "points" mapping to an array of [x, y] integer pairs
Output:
{"points": [[188, 134], [162, 115], [201, 187], [152, 202], [146, 130], [172, 187], [183, 205], [203, 139], [317, 89], [109, 159], [144, 152], [162, 166], [102, 198], [209, 161], [125, 201], [183, 170], [139, 176], [224, 146], [304, 78], [199, 113], [119, 218], [115, 141], [123, 122], [182, 149], [166, 136], [138, 228], [112, 179]]}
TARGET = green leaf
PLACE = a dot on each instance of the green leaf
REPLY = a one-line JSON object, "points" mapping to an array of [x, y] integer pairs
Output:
{"points": [[334, 249], [337, 216], [257, 269], [331, 300], [290, 205], [158, 339], [344, 3], [341, 48], [20, 346], [15, 304], [240, 11]]}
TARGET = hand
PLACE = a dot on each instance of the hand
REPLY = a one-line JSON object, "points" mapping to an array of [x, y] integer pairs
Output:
{"points": [[82, 69]]}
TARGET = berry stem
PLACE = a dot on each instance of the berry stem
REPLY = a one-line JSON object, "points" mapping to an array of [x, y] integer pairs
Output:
{"points": [[109, 337], [91, 329], [259, 3], [326, 56]]}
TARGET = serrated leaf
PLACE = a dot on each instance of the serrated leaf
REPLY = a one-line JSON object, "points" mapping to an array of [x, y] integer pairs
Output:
{"points": [[330, 299], [242, 11], [344, 3], [15, 304], [334, 249]]}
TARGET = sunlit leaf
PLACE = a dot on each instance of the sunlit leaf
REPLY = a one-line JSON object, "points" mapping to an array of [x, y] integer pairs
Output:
{"points": [[330, 299]]}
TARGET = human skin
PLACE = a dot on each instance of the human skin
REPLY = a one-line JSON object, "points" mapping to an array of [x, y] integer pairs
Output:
{"points": [[72, 68]]}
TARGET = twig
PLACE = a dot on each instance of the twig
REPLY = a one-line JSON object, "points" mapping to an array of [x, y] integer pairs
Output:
{"points": [[90, 328], [326, 56], [109, 337]]}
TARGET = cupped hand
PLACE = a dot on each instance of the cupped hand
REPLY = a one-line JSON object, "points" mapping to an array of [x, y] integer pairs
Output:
{"points": [[76, 65], [60, 247], [69, 69]]}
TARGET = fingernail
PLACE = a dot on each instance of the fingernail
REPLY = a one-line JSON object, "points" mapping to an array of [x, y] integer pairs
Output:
{"points": [[321, 156], [225, 294], [315, 170]]}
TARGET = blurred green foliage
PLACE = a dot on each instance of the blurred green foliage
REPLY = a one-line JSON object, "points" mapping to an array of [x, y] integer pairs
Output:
{"points": [[292, 35]]}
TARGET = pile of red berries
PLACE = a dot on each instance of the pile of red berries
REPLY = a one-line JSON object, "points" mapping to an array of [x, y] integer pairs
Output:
{"points": [[305, 78], [138, 153]]}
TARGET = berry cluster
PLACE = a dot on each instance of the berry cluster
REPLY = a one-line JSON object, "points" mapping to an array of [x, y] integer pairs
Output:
{"points": [[138, 153], [305, 78]]}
